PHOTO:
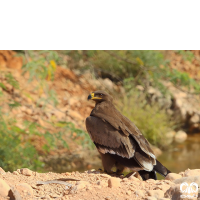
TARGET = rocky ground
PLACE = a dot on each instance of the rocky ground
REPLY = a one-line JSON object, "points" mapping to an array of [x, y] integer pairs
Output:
{"points": [[24, 184]]}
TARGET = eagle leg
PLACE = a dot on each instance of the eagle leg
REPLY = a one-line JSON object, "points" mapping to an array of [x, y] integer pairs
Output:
{"points": [[120, 168], [108, 162]]}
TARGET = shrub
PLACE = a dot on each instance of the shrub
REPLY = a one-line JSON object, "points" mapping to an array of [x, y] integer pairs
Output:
{"points": [[152, 122]]}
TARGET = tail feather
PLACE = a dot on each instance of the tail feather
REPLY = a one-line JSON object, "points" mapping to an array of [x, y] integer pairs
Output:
{"points": [[161, 169], [147, 175]]}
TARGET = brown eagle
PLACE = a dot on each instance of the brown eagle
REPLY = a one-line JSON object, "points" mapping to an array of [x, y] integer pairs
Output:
{"points": [[118, 140]]}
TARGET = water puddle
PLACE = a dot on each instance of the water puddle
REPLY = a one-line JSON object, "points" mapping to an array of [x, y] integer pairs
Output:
{"points": [[180, 157]]}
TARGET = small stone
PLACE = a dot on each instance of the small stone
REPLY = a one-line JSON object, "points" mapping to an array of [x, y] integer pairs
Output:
{"points": [[150, 180], [193, 172], [173, 176], [16, 173], [140, 193], [81, 184], [105, 175], [4, 188], [26, 171], [113, 182], [128, 193], [133, 178], [156, 193], [165, 187], [151, 198], [25, 190], [164, 199], [67, 174], [189, 179], [194, 119], [173, 192], [180, 136]]}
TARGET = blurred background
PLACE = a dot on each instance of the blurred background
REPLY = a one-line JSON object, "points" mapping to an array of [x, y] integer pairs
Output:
{"points": [[43, 105]]}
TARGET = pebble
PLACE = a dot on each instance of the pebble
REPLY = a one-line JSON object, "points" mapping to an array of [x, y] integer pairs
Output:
{"points": [[26, 171], [4, 188], [193, 172], [25, 190], [81, 184], [105, 175], [151, 198], [113, 182], [156, 193], [173, 176], [140, 193], [16, 173]]}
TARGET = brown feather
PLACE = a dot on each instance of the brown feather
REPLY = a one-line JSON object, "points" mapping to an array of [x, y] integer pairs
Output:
{"points": [[116, 135]]}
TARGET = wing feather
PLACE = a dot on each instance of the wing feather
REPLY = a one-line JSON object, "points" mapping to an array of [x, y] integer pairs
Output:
{"points": [[108, 139], [127, 127]]}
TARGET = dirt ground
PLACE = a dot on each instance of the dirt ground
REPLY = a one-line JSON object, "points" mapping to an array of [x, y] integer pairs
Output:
{"points": [[88, 185]]}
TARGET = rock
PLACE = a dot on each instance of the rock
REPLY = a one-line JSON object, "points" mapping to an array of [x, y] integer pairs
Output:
{"points": [[140, 193], [26, 171], [108, 83], [105, 175], [124, 179], [173, 176], [4, 188], [113, 182], [81, 184], [136, 177], [2, 171], [194, 119], [140, 87], [156, 193], [169, 137], [165, 187], [151, 198], [25, 190], [128, 193], [16, 173], [180, 136], [75, 115], [173, 193], [156, 150], [193, 172], [102, 183], [164, 199], [190, 179]]}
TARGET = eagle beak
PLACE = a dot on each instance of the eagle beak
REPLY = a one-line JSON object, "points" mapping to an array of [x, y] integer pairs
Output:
{"points": [[92, 97]]}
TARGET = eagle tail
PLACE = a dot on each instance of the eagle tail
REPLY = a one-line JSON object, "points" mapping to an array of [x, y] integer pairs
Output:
{"points": [[152, 175], [147, 175], [162, 170]]}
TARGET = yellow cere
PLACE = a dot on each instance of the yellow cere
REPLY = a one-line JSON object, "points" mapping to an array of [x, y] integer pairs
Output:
{"points": [[93, 97]]}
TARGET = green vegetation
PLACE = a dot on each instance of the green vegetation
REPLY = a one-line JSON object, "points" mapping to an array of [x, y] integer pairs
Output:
{"points": [[26, 144], [19, 146], [153, 122], [186, 55], [146, 68]]}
